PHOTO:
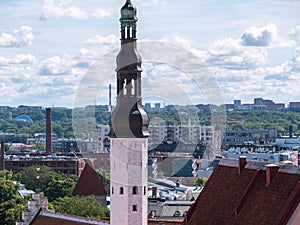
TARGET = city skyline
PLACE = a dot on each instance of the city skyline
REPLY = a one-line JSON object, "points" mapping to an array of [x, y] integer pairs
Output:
{"points": [[47, 47]]}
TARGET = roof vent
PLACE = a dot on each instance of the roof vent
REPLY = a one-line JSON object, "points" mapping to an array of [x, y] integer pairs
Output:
{"points": [[271, 171]]}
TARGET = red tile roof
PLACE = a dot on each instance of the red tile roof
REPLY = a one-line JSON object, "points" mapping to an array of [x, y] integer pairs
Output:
{"points": [[232, 198], [52, 218], [89, 183]]}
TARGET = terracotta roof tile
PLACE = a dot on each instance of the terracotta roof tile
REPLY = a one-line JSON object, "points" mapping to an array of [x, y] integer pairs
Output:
{"points": [[89, 183], [233, 198]]}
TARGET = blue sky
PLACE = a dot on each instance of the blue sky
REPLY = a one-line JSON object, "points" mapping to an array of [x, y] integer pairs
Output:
{"points": [[251, 48]]}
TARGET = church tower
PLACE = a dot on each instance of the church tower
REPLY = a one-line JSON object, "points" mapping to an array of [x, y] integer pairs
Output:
{"points": [[128, 132]]}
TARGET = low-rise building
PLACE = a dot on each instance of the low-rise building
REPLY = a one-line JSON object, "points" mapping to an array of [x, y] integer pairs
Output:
{"points": [[255, 136], [69, 165]]}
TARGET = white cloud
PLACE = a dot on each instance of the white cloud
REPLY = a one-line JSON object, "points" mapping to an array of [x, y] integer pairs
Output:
{"points": [[264, 36], [287, 69], [108, 40], [20, 38], [18, 59], [260, 36], [150, 3], [52, 9], [101, 13], [229, 53], [295, 62], [177, 40], [57, 65], [295, 33]]}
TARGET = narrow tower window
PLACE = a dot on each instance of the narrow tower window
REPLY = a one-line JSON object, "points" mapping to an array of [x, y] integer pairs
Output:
{"points": [[144, 190], [134, 208], [121, 190], [134, 190], [112, 190]]}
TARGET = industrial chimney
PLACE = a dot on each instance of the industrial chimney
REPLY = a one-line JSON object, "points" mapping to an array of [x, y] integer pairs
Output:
{"points": [[2, 162], [48, 131]]}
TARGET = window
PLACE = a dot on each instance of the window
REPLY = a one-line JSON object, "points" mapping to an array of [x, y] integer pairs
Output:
{"points": [[144, 190], [134, 190], [121, 190], [153, 213], [112, 190], [134, 208], [177, 214]]}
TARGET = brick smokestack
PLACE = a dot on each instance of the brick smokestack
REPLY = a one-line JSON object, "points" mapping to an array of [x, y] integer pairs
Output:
{"points": [[2, 162], [48, 131]]}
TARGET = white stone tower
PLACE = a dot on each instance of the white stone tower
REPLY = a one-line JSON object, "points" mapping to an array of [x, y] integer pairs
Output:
{"points": [[128, 132]]}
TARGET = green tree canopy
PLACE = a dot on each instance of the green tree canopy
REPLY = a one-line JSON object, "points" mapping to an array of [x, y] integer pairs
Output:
{"points": [[11, 210], [11, 203], [35, 177], [60, 186], [81, 206], [200, 181]]}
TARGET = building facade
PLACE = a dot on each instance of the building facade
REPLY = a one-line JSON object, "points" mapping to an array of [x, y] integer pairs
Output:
{"points": [[239, 137], [68, 165]]}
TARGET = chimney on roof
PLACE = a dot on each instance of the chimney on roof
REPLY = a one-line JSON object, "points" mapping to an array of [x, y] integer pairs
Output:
{"points": [[271, 171], [242, 163], [2, 162], [48, 131]]}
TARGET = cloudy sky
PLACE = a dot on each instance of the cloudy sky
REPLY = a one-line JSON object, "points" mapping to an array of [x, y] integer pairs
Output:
{"points": [[250, 48]]}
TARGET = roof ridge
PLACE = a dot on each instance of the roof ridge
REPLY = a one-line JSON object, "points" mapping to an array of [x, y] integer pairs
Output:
{"points": [[289, 207], [246, 193], [70, 217]]}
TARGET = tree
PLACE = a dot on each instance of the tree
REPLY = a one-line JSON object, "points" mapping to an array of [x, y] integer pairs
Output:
{"points": [[60, 186], [39, 146], [7, 189], [81, 206], [35, 178], [11, 210], [101, 174], [201, 181], [11, 203]]}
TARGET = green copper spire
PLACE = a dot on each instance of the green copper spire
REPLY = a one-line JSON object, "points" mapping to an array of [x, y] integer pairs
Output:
{"points": [[128, 15]]}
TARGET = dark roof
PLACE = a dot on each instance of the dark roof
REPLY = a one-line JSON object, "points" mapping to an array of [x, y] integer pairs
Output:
{"points": [[89, 183], [233, 198], [52, 218]]}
